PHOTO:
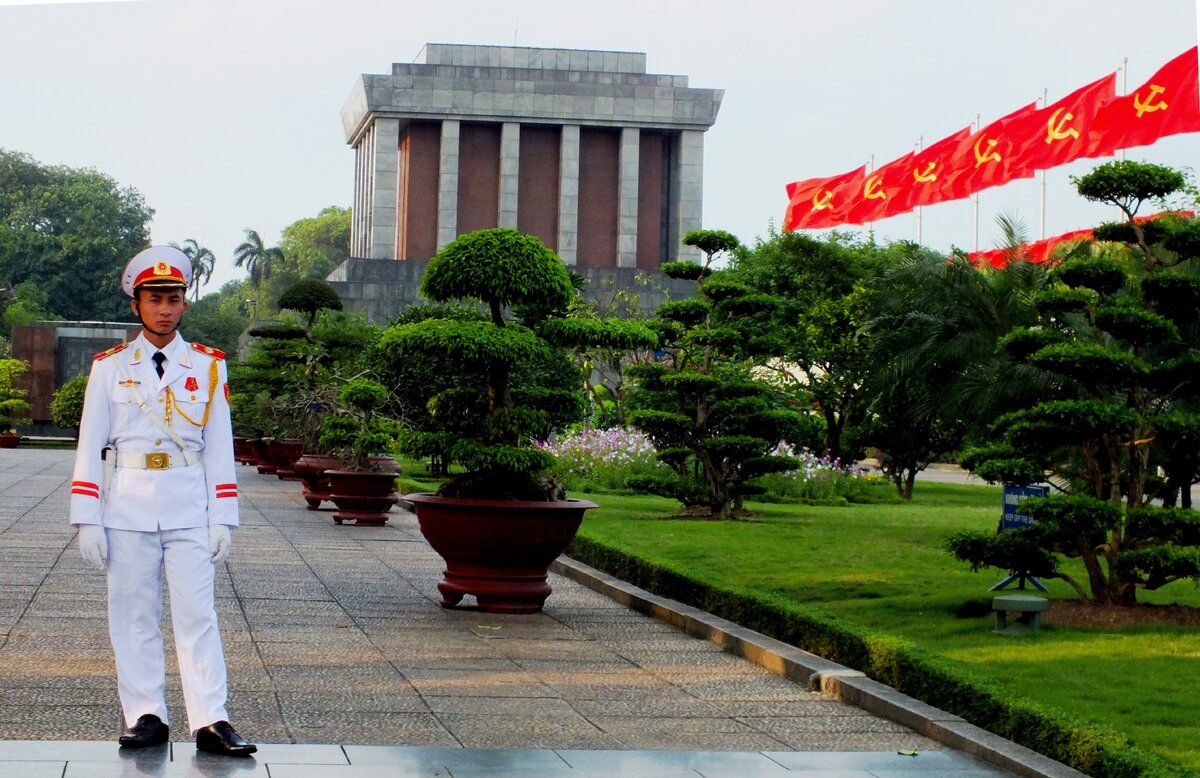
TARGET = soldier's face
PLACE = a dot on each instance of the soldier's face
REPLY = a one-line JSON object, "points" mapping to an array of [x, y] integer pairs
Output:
{"points": [[160, 309]]}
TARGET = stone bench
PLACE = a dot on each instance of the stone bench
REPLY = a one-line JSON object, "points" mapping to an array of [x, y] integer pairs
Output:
{"points": [[1028, 610]]}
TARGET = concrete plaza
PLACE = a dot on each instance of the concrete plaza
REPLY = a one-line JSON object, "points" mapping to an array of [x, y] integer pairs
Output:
{"points": [[341, 663]]}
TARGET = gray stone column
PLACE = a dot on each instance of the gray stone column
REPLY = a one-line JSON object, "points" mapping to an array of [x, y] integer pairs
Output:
{"points": [[364, 187], [568, 194], [447, 226], [690, 190], [510, 164], [385, 146], [627, 197]]}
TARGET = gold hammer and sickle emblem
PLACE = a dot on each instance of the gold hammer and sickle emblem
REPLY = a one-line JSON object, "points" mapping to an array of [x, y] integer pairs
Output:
{"points": [[873, 189], [1054, 127], [926, 175], [988, 155], [1148, 105], [822, 200]]}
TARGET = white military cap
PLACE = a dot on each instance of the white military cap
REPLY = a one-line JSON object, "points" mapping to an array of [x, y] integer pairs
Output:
{"points": [[163, 266]]}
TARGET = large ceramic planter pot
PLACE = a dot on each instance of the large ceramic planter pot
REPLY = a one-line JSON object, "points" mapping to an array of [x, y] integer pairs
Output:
{"points": [[364, 498], [310, 468], [242, 451], [497, 550], [9, 440], [284, 453], [262, 456]]}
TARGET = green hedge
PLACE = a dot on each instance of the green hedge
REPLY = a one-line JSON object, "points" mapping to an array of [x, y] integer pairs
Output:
{"points": [[896, 662]]}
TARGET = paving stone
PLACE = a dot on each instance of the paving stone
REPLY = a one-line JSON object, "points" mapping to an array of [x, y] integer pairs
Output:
{"points": [[334, 635]]}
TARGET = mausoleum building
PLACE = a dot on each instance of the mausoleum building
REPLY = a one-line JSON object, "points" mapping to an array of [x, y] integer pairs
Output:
{"points": [[585, 149]]}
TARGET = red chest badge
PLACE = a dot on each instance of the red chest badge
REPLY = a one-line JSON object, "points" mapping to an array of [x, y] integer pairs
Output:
{"points": [[191, 384]]}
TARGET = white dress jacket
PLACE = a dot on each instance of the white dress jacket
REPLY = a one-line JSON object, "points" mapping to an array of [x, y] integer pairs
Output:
{"points": [[193, 395]]}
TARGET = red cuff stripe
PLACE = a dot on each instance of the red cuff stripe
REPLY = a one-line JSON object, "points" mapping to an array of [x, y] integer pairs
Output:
{"points": [[219, 487], [86, 492], [88, 484], [226, 494]]}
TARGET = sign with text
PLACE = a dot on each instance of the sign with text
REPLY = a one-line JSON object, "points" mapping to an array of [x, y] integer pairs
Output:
{"points": [[1011, 518]]}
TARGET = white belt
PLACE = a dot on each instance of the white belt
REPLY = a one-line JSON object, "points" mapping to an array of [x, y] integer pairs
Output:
{"points": [[155, 460]]}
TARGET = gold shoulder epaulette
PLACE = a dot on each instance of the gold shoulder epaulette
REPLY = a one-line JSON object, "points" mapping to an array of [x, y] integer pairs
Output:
{"points": [[111, 351], [212, 352]]}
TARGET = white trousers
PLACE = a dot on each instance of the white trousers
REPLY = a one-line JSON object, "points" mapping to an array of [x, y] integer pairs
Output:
{"points": [[135, 564]]}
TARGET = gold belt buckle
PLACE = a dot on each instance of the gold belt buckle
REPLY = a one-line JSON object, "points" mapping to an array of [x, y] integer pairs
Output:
{"points": [[158, 461]]}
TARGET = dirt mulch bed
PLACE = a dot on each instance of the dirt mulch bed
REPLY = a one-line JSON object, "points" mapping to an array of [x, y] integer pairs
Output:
{"points": [[1087, 615]]}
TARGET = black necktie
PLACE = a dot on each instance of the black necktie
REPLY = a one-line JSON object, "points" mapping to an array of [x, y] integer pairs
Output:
{"points": [[159, 358]]}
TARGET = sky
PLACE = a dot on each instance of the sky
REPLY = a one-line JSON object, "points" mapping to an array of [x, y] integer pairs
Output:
{"points": [[225, 114]]}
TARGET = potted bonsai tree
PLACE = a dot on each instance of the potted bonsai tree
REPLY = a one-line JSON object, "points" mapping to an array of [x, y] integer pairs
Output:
{"points": [[14, 408], [500, 524], [364, 488]]}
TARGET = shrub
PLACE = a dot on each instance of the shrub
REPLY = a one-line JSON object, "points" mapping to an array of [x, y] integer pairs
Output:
{"points": [[66, 407]]}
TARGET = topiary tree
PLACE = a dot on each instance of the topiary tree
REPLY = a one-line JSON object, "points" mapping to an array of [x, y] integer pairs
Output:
{"points": [[1117, 336], [356, 430], [502, 404], [310, 296], [713, 424]]}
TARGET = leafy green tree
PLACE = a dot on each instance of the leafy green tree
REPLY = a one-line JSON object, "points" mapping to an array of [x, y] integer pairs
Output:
{"points": [[824, 300], [936, 371], [219, 318], [713, 424], [27, 303], [203, 261], [14, 408], [1117, 336], [258, 260], [316, 245], [69, 232]]}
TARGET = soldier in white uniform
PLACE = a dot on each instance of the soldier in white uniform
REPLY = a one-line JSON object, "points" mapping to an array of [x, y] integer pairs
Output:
{"points": [[164, 496]]}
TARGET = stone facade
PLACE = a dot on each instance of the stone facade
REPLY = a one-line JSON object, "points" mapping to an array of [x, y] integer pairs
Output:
{"points": [[57, 351], [585, 149]]}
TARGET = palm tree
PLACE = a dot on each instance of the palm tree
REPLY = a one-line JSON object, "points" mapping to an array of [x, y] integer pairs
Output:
{"points": [[202, 260], [258, 261]]}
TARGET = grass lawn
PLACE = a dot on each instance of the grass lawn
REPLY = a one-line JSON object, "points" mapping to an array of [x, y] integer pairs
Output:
{"points": [[883, 566]]}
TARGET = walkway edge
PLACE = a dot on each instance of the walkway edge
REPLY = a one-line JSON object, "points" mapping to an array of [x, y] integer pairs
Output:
{"points": [[849, 686]]}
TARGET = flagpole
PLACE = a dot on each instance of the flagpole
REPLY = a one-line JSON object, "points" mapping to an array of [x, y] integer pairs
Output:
{"points": [[1125, 88], [975, 199], [920, 146], [1042, 209], [871, 225]]}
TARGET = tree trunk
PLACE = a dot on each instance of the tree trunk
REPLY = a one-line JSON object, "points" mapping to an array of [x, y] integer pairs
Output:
{"points": [[1096, 579], [910, 477]]}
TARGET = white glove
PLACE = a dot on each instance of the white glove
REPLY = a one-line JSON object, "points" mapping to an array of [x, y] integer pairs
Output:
{"points": [[219, 541], [93, 544]]}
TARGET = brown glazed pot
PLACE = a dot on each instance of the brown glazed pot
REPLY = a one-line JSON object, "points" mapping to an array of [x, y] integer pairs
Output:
{"points": [[364, 498], [9, 439], [262, 456], [310, 469], [242, 451], [284, 453], [497, 550]]}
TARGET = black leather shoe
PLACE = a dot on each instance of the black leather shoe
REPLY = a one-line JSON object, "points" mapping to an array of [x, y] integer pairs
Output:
{"points": [[148, 731], [222, 739]]}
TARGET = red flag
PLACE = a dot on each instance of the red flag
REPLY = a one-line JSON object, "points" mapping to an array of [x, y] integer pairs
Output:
{"points": [[926, 171], [816, 202], [880, 192], [987, 158], [1167, 104], [1059, 133]]}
